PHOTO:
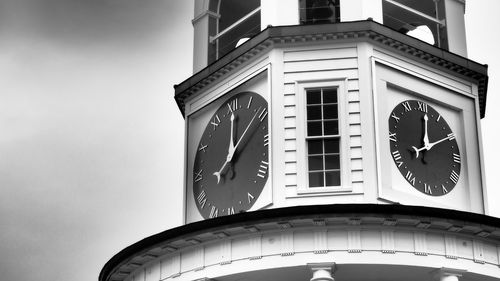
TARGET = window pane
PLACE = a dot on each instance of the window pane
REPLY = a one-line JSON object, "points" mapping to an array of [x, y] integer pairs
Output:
{"points": [[315, 163], [315, 147], [330, 112], [332, 162], [314, 112], [314, 128], [313, 97], [316, 179], [331, 127], [332, 178], [332, 146], [330, 95]]}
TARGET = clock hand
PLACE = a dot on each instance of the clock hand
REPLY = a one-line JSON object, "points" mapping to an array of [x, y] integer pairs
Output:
{"points": [[430, 145], [426, 136], [230, 151], [246, 129], [448, 137]]}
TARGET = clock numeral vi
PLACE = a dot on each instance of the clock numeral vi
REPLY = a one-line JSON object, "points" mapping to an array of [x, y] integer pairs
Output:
{"points": [[427, 189]]}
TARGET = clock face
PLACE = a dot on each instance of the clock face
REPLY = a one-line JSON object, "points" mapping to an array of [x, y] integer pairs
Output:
{"points": [[424, 148], [232, 162]]}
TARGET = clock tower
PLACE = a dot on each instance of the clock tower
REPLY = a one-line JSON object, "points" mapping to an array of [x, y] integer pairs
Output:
{"points": [[328, 139]]}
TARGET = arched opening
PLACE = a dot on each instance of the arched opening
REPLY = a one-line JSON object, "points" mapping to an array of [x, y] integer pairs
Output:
{"points": [[423, 19], [236, 21]]}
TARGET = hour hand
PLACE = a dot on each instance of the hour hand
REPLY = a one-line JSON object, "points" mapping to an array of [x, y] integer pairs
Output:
{"points": [[426, 136]]}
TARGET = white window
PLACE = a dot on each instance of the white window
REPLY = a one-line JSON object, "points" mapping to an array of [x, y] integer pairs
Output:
{"points": [[322, 137], [423, 19], [322, 149]]}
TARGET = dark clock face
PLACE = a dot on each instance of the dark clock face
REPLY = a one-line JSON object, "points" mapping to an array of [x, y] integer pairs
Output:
{"points": [[232, 162], [424, 148]]}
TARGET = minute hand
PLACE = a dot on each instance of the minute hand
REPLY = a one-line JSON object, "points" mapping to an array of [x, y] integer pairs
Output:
{"points": [[448, 137], [246, 129]]}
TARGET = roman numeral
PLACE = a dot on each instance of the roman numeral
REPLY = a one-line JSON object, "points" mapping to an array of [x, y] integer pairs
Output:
{"points": [[422, 106], [454, 176], [263, 114], [215, 121], [202, 199], [250, 197], [427, 189], [232, 105], [198, 176], [451, 136], [407, 106], [393, 115], [444, 189], [262, 169], [230, 211], [392, 137], [439, 118], [249, 102], [410, 178], [214, 212], [202, 147], [397, 157], [266, 140], [456, 158]]}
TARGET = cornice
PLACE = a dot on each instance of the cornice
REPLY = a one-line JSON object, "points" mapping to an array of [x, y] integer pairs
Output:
{"points": [[358, 31], [342, 216]]}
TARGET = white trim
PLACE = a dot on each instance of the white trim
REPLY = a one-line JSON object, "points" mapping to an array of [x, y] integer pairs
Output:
{"points": [[302, 170]]}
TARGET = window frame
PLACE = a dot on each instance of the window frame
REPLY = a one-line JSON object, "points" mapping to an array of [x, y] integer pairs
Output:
{"points": [[302, 87], [213, 39]]}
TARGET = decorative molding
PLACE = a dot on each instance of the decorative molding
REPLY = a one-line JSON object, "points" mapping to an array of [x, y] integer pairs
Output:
{"points": [[420, 243], [478, 251], [320, 242], [450, 246], [354, 241], [255, 247], [200, 258], [225, 252], [287, 247], [388, 241]]}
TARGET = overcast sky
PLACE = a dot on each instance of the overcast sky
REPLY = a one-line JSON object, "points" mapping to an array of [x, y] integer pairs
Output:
{"points": [[91, 140]]}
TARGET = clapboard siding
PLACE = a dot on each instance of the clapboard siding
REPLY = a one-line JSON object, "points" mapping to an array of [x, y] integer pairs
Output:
{"points": [[314, 65]]}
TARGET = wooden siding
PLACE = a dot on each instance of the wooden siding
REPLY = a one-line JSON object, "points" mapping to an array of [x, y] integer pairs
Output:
{"points": [[316, 65]]}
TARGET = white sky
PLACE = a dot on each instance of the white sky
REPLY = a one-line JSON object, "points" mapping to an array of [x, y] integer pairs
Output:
{"points": [[91, 142]]}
